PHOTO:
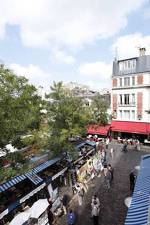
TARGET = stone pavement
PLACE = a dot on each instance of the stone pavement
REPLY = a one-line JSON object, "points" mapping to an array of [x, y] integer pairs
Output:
{"points": [[112, 208]]}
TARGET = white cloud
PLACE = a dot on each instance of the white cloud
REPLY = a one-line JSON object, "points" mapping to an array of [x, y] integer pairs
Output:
{"points": [[96, 74], [147, 13], [127, 46], [34, 74], [65, 22], [62, 57]]}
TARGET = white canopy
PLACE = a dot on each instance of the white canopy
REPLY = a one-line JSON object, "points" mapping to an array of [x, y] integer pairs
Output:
{"points": [[20, 218], [38, 208]]}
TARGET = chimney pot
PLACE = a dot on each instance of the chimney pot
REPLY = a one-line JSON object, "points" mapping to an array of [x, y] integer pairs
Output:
{"points": [[142, 51]]}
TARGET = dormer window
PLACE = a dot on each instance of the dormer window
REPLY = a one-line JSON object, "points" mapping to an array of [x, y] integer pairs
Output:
{"points": [[127, 65]]}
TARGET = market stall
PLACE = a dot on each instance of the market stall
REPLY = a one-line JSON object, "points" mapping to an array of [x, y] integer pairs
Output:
{"points": [[39, 211]]}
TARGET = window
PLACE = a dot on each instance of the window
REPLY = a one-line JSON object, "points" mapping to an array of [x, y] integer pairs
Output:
{"points": [[120, 114], [133, 80], [121, 100], [127, 65], [126, 99], [120, 81], [133, 114], [133, 99], [127, 114], [127, 81]]}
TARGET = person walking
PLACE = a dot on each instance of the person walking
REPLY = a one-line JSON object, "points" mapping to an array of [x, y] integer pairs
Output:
{"points": [[124, 149], [111, 153], [80, 194], [111, 169], [132, 181], [95, 199], [71, 218], [107, 142], [64, 201], [95, 213], [108, 179]]}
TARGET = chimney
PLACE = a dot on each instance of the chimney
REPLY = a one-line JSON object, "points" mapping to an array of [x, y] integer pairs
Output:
{"points": [[142, 51]]}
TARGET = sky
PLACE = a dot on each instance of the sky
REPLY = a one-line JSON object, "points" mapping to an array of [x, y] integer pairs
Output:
{"points": [[71, 40]]}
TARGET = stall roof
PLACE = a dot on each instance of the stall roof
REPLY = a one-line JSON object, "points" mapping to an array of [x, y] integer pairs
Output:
{"points": [[91, 143], [34, 178], [34, 171], [45, 165], [138, 213], [80, 145], [11, 183]]}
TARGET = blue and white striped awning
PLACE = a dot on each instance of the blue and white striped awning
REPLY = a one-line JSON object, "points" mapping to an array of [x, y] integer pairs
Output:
{"points": [[17, 179], [34, 178], [138, 211], [11, 183], [45, 165]]}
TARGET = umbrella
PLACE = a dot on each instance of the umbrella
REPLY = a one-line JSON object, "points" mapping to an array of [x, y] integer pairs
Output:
{"points": [[38, 208], [127, 201], [20, 218]]}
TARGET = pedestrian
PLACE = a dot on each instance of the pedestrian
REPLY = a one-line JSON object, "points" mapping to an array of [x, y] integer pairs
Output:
{"points": [[64, 201], [132, 181], [108, 179], [107, 142], [80, 194], [71, 218], [111, 169], [124, 149], [105, 169], [111, 152], [95, 198], [95, 213]]}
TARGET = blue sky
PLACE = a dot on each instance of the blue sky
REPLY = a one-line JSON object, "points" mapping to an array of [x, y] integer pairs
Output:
{"points": [[71, 40]]}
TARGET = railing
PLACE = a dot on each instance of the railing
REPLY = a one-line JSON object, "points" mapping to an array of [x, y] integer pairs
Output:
{"points": [[125, 105]]}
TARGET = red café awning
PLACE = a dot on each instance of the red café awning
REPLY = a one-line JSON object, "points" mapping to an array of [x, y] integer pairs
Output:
{"points": [[96, 129], [130, 127]]}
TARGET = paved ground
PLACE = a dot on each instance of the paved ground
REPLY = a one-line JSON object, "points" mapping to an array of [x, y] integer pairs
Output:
{"points": [[112, 210]]}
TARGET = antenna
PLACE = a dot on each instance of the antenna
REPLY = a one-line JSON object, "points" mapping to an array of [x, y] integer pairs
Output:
{"points": [[116, 53]]}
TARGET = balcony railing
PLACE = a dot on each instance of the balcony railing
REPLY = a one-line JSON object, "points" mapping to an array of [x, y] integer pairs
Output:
{"points": [[125, 105]]}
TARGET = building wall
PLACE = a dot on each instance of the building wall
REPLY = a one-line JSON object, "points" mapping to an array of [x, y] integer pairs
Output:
{"points": [[141, 105]]}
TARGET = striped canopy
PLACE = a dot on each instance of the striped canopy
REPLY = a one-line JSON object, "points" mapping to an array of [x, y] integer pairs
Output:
{"points": [[29, 175], [138, 212]]}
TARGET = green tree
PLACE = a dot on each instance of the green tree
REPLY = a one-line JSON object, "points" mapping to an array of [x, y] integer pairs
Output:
{"points": [[99, 111], [67, 117], [19, 106]]}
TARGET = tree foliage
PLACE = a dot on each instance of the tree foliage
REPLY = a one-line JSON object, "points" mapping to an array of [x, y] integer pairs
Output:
{"points": [[67, 117], [19, 106], [99, 111]]}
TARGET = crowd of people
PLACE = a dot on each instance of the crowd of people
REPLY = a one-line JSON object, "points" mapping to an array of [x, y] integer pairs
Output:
{"points": [[81, 188], [133, 143]]}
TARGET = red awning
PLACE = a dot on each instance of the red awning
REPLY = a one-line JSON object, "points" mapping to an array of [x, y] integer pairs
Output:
{"points": [[96, 129], [130, 127]]}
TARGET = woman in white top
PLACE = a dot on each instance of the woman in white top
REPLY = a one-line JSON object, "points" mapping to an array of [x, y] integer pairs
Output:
{"points": [[95, 213]]}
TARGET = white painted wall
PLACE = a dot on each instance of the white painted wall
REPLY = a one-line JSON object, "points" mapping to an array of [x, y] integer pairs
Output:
{"points": [[146, 102]]}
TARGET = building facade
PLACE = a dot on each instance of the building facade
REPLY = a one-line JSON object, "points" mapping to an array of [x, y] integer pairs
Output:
{"points": [[131, 95]]}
